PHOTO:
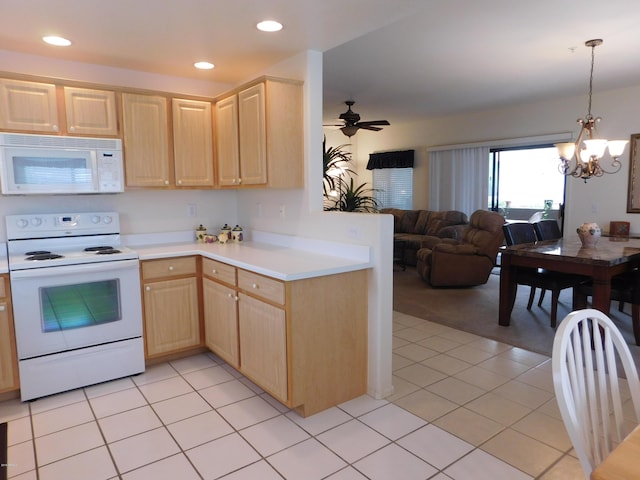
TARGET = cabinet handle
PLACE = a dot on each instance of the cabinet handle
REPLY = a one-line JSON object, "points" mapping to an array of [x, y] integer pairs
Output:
{"points": [[147, 288], [72, 129], [171, 268], [179, 182], [166, 182], [55, 128], [255, 285], [231, 295], [213, 270], [239, 181], [3, 308]]}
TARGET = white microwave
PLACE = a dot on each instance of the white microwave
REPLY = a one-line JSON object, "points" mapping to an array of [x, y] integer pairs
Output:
{"points": [[49, 164]]}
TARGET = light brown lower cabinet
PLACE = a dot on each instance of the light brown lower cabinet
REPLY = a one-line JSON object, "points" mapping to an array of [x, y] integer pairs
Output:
{"points": [[221, 320], [171, 309], [303, 341], [8, 355]]}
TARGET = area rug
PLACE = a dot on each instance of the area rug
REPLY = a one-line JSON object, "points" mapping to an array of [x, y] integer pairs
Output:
{"points": [[475, 310], [3, 451]]}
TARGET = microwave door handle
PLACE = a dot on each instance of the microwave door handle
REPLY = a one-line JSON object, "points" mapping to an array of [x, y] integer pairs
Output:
{"points": [[75, 269]]}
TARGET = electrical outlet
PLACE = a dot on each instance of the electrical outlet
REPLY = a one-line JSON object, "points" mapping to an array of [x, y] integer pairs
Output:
{"points": [[282, 211], [258, 210], [594, 208], [192, 210]]}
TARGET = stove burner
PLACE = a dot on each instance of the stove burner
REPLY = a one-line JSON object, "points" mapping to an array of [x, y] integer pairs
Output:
{"points": [[37, 252], [110, 251], [44, 256], [98, 249]]}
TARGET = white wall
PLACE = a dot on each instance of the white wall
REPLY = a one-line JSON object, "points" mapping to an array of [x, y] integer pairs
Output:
{"points": [[600, 199]]}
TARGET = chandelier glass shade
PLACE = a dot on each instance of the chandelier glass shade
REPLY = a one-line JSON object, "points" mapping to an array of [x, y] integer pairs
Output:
{"points": [[582, 158]]}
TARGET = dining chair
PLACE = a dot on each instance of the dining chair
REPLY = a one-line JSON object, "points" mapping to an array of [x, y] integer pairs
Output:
{"points": [[586, 350], [524, 232], [625, 288], [546, 229]]}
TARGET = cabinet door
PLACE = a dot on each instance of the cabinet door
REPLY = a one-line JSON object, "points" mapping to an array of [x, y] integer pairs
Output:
{"points": [[263, 345], [8, 359], [221, 321], [227, 153], [193, 143], [253, 135], [146, 142], [171, 315], [90, 112], [29, 106]]}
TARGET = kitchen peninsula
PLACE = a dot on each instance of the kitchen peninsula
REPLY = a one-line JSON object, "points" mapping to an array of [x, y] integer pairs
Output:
{"points": [[288, 313]]}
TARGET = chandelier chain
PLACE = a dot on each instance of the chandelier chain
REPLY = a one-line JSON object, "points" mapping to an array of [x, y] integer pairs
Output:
{"points": [[593, 56]]}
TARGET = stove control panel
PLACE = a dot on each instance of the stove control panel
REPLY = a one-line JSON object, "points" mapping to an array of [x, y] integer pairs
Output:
{"points": [[65, 224]]}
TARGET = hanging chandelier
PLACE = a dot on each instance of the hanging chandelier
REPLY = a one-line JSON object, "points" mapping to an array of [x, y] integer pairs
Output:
{"points": [[582, 158]]}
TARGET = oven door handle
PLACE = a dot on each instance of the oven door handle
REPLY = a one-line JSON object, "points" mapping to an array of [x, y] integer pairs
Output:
{"points": [[117, 265]]}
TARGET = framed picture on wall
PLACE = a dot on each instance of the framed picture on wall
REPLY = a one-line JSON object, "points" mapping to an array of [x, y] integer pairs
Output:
{"points": [[633, 193]]}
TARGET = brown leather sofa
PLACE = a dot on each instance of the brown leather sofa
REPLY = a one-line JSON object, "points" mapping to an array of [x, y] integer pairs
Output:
{"points": [[444, 262], [411, 226]]}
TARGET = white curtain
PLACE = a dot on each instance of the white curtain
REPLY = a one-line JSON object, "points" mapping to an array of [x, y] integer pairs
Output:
{"points": [[459, 179]]}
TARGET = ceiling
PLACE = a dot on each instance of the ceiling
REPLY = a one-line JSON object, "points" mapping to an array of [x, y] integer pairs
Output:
{"points": [[399, 60]]}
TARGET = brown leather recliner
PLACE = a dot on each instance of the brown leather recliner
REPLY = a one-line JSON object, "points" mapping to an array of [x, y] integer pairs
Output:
{"points": [[445, 262]]}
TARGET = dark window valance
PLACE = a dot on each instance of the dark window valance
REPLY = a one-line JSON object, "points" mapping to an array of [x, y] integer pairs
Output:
{"points": [[402, 159]]}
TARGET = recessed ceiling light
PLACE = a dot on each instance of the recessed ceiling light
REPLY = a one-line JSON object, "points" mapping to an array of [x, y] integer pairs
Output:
{"points": [[57, 41], [269, 26], [204, 65]]}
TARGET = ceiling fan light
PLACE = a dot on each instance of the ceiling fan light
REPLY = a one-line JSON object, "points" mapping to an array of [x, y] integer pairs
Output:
{"points": [[349, 131], [616, 147]]}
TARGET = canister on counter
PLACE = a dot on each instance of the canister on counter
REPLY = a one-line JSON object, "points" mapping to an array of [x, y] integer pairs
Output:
{"points": [[226, 230], [201, 233], [236, 234]]}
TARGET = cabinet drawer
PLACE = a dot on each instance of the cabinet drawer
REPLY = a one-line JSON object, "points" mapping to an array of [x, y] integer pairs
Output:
{"points": [[170, 267], [219, 271], [267, 288]]}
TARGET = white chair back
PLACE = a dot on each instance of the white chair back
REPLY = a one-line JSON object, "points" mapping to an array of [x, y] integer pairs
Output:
{"points": [[587, 387]]}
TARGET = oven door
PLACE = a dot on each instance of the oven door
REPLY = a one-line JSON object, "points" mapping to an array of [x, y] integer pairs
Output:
{"points": [[57, 309]]}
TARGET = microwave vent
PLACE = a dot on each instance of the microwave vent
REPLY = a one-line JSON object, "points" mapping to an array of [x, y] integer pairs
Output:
{"points": [[26, 140]]}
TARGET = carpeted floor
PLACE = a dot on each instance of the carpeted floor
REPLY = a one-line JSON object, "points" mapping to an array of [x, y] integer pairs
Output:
{"points": [[475, 310]]}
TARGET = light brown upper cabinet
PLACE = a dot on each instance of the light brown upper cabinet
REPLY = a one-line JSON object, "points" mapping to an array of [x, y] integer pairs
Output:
{"points": [[146, 140], [192, 143], [90, 112], [28, 106], [259, 136], [34, 107], [149, 160]]}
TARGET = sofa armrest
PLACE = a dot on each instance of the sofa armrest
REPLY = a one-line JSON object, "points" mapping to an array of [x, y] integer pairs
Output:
{"points": [[460, 249], [452, 231], [429, 241]]}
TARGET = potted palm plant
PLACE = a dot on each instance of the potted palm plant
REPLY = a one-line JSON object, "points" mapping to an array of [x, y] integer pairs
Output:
{"points": [[339, 193]]}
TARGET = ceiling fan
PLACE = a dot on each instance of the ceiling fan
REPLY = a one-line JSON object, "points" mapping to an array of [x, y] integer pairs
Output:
{"points": [[352, 122]]}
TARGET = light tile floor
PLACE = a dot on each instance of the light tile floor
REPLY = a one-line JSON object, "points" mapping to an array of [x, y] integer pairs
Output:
{"points": [[464, 407]]}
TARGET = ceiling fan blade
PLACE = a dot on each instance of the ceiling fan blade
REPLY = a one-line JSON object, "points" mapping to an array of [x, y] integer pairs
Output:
{"points": [[373, 122], [368, 127]]}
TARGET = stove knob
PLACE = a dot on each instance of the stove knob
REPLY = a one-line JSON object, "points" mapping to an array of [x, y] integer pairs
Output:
{"points": [[107, 219], [36, 222], [22, 223], [95, 219]]}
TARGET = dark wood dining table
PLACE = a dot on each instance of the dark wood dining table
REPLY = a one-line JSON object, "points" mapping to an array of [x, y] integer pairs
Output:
{"points": [[611, 256]]}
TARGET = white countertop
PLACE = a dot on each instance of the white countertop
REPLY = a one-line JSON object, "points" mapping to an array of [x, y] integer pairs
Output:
{"points": [[281, 257], [278, 256]]}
